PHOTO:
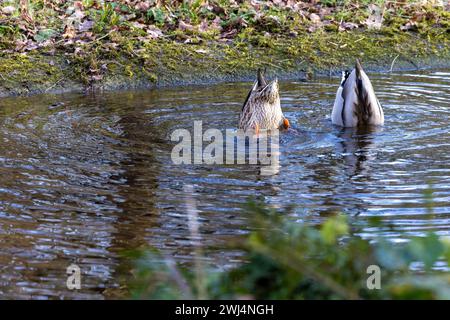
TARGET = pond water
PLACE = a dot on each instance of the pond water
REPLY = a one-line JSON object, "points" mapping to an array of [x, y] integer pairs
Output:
{"points": [[85, 177]]}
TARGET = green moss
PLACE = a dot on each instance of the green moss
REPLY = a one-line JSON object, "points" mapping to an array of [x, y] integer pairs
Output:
{"points": [[270, 36], [23, 71], [167, 61]]}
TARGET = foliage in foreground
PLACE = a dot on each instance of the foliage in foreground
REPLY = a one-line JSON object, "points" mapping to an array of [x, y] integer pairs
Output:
{"points": [[286, 260]]}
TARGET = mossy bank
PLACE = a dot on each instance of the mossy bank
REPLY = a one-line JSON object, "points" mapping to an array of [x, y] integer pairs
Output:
{"points": [[167, 63], [111, 45]]}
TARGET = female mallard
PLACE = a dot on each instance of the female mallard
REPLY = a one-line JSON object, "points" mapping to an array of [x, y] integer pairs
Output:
{"points": [[262, 108], [356, 103]]}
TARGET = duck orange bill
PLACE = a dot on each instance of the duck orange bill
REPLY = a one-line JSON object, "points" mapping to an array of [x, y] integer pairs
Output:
{"points": [[286, 123]]}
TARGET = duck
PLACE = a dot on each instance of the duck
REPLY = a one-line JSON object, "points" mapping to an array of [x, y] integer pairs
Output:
{"points": [[356, 103], [262, 108]]}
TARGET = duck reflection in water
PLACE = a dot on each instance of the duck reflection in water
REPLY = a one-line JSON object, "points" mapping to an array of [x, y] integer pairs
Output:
{"points": [[356, 145], [348, 172]]}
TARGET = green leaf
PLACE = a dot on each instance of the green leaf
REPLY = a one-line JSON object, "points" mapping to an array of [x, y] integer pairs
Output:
{"points": [[44, 35], [334, 228], [427, 249]]}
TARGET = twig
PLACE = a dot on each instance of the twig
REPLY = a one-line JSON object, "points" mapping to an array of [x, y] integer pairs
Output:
{"points": [[53, 85], [393, 61], [104, 36], [273, 65]]}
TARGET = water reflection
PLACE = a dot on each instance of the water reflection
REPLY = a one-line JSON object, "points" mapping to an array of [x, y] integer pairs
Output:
{"points": [[85, 178]]}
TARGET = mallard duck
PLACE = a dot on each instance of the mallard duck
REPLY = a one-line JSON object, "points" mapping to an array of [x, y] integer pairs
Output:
{"points": [[356, 103], [262, 108]]}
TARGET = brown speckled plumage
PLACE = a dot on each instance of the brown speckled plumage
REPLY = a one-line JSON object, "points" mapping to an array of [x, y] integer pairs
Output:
{"points": [[262, 109]]}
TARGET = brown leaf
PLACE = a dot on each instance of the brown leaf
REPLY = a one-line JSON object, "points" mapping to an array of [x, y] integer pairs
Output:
{"points": [[255, 4], [88, 36], [78, 15], [217, 9], [215, 24], [78, 5], [375, 19], [311, 29], [314, 18], [86, 25], [138, 25], [185, 26], [204, 26], [78, 51], [347, 26], [29, 45], [69, 32], [229, 34], [142, 6], [8, 10], [154, 32], [410, 25], [97, 77], [20, 45]]}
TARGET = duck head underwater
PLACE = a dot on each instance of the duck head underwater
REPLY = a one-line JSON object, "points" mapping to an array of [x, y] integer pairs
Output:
{"points": [[262, 108], [356, 104]]}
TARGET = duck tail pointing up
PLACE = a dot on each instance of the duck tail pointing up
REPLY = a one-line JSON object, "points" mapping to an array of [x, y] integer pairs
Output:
{"points": [[261, 81]]}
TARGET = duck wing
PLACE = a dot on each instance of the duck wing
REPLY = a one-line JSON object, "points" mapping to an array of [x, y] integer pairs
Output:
{"points": [[247, 109], [255, 85]]}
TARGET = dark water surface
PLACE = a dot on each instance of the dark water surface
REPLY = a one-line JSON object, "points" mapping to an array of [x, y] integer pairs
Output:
{"points": [[83, 178]]}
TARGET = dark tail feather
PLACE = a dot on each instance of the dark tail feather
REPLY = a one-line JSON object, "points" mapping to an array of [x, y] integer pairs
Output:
{"points": [[363, 108], [261, 81], [358, 69]]}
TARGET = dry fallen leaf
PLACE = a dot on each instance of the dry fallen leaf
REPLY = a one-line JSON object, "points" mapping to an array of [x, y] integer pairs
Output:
{"points": [[143, 5], [216, 24], [78, 5], [311, 29], [203, 27], [138, 25], [409, 26], [375, 19], [69, 32], [85, 26], [8, 10], [154, 32], [314, 18], [230, 34], [347, 26], [97, 77], [185, 26]]}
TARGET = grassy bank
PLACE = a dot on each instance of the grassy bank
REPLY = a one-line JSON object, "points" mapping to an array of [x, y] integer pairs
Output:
{"points": [[51, 46]]}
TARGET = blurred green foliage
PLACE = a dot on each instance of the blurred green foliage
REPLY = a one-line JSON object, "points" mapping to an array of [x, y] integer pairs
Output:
{"points": [[288, 260]]}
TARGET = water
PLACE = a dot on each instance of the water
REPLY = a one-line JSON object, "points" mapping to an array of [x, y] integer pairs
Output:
{"points": [[83, 178]]}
